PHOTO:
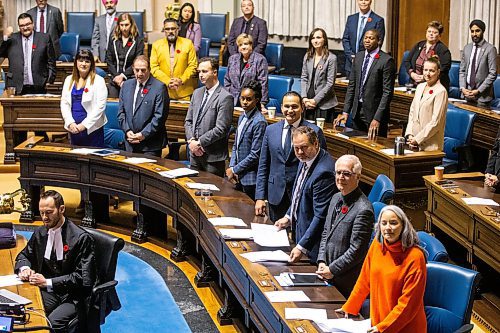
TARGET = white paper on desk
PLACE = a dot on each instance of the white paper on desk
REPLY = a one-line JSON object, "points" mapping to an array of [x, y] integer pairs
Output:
{"points": [[236, 233], [345, 325], [282, 296], [179, 172], [390, 151], [340, 135], [200, 186], [84, 151], [179, 102], [41, 95], [403, 89], [227, 220], [138, 160], [306, 314], [268, 235], [9, 280], [480, 201], [259, 256], [450, 99]]}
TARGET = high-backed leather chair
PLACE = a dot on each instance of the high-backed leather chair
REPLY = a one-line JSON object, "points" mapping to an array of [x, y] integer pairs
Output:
{"points": [[382, 190], [403, 77], [215, 27], [70, 44], [113, 134], [204, 48], [278, 86], [377, 208], [81, 23], [274, 56], [434, 248], [454, 75], [221, 73], [449, 296], [139, 20], [457, 136], [296, 84], [496, 88]]}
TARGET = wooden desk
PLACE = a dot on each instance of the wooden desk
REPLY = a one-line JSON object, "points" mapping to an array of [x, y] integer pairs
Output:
{"points": [[53, 165], [469, 225], [7, 260]]}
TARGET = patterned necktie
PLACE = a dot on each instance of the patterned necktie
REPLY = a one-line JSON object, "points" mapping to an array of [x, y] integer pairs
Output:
{"points": [[202, 107], [42, 20], [472, 68], [138, 95], [363, 76], [288, 141], [26, 61], [298, 192], [360, 32]]}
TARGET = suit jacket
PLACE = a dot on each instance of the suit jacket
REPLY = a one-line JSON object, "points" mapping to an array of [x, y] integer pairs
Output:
{"points": [[317, 190], [53, 25], [43, 66], [246, 148], [255, 69], [78, 264], [194, 34], [277, 168], [150, 114], [486, 70], [93, 101], [185, 64], [324, 81], [258, 31], [120, 57], [378, 89], [349, 39], [100, 33], [441, 51], [212, 126], [346, 237], [493, 166], [427, 117]]}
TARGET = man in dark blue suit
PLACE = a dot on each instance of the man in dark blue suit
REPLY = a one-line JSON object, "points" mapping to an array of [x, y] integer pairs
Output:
{"points": [[312, 191], [251, 25], [355, 28], [278, 164], [143, 111], [248, 140]]}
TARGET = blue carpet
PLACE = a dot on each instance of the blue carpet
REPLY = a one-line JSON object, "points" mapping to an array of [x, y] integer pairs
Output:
{"points": [[147, 304]]}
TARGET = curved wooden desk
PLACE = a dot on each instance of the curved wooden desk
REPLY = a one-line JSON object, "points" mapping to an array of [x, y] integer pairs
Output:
{"points": [[54, 165]]}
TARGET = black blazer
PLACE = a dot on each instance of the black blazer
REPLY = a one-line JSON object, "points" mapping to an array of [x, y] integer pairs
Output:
{"points": [[43, 65], [120, 57], [442, 52]]}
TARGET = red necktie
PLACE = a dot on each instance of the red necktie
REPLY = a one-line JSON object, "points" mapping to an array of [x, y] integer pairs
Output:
{"points": [[42, 21]]}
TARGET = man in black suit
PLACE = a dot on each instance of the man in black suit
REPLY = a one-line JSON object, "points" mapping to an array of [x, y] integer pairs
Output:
{"points": [[143, 111], [59, 258], [348, 228], [370, 89], [48, 19]]}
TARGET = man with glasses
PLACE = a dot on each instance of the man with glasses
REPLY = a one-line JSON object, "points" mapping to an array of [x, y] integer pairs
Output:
{"points": [[173, 62], [348, 228], [48, 19]]}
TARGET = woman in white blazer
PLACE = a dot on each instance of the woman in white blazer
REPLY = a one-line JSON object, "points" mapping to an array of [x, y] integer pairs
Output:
{"points": [[83, 102], [318, 78], [427, 117]]}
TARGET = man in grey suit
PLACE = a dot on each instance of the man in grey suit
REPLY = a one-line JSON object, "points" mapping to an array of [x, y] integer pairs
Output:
{"points": [[348, 228], [478, 69], [208, 121], [103, 28], [143, 111], [48, 19]]}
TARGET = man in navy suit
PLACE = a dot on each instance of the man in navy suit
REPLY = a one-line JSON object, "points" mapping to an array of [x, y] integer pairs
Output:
{"points": [[355, 28], [278, 164], [312, 191], [143, 110], [370, 89], [48, 19], [251, 25], [248, 140]]}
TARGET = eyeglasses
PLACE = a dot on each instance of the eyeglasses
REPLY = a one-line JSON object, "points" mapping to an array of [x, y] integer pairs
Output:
{"points": [[25, 25], [346, 174]]}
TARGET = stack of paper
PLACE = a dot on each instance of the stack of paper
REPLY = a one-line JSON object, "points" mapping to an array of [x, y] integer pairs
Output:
{"points": [[479, 201], [268, 235], [259, 256], [178, 173], [200, 186], [138, 160], [390, 151], [236, 233], [227, 220], [9, 280], [305, 314], [344, 325], [288, 279], [282, 296], [84, 151]]}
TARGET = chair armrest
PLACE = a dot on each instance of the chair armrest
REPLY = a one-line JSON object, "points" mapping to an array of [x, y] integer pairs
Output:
{"points": [[105, 286], [465, 328]]}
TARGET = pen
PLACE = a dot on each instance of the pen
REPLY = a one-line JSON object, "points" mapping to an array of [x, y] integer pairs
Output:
{"points": [[274, 286], [243, 247]]}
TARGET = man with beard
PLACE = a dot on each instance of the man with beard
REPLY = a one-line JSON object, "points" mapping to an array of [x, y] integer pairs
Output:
{"points": [[478, 69], [173, 62], [103, 27]]}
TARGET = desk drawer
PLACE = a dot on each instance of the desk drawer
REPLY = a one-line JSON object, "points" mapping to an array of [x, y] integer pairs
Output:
{"points": [[264, 311], [74, 171], [211, 237], [486, 240], [451, 214], [158, 191], [188, 212], [115, 178], [237, 273]]}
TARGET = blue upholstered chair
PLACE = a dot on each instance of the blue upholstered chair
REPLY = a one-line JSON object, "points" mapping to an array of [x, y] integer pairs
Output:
{"points": [[113, 134], [81, 23], [278, 86], [204, 48], [382, 190], [449, 296], [296, 84], [70, 44], [220, 75], [496, 87], [377, 208], [403, 77], [454, 75], [274, 56], [434, 248], [457, 136], [139, 20], [101, 72], [214, 27]]}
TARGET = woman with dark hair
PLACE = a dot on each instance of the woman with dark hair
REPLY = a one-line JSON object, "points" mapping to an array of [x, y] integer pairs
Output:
{"points": [[83, 101], [188, 27], [393, 274], [425, 49], [124, 46], [427, 117], [318, 78], [248, 140]]}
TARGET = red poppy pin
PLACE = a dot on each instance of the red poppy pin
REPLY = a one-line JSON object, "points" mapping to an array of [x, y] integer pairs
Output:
{"points": [[86, 90], [432, 53], [344, 209], [33, 47], [145, 91], [65, 248], [377, 56], [129, 44], [431, 91], [116, 19], [178, 51], [247, 65], [369, 19]]}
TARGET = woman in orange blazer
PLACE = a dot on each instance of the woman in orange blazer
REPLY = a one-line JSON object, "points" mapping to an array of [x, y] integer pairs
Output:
{"points": [[393, 274]]}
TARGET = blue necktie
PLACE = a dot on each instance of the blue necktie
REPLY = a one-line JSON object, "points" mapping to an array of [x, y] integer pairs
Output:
{"points": [[363, 75], [360, 32], [288, 141]]}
